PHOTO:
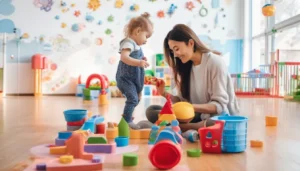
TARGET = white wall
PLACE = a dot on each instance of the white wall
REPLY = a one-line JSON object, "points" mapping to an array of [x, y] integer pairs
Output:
{"points": [[80, 54]]}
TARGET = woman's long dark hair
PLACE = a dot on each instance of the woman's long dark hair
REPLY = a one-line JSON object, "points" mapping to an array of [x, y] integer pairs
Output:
{"points": [[181, 71]]}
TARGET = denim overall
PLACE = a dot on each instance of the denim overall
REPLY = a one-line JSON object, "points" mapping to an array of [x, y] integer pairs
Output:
{"points": [[130, 81]]}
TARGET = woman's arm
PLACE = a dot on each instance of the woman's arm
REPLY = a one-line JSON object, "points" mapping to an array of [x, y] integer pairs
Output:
{"points": [[218, 96], [205, 108]]}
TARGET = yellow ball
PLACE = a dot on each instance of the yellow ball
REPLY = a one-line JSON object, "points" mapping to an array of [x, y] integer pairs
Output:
{"points": [[268, 10], [184, 111]]}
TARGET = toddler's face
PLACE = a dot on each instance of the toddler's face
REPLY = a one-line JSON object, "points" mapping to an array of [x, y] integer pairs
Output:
{"points": [[143, 36]]}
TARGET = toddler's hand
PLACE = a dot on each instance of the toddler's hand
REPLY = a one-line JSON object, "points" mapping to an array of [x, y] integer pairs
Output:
{"points": [[144, 58], [144, 64]]}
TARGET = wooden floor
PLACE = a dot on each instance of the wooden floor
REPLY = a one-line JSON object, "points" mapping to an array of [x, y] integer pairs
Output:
{"points": [[27, 121]]}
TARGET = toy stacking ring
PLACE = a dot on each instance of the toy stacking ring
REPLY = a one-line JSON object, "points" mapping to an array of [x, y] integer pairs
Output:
{"points": [[203, 11]]}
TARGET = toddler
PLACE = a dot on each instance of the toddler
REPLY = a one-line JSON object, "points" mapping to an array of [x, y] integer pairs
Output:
{"points": [[130, 73]]}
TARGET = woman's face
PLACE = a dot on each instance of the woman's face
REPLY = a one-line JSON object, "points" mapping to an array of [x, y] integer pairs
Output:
{"points": [[182, 50]]}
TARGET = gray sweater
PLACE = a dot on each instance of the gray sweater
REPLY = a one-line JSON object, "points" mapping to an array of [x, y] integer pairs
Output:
{"points": [[211, 83]]}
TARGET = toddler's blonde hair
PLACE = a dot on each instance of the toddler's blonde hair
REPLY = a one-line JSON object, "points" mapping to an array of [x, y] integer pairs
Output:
{"points": [[141, 21]]}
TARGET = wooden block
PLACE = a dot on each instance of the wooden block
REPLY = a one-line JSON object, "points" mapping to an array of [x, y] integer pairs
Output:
{"points": [[58, 150], [134, 134], [112, 133], [145, 133], [140, 134], [271, 120], [100, 148], [66, 159], [256, 143]]}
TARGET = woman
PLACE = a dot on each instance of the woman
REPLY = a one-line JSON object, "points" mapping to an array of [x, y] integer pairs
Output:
{"points": [[201, 78]]}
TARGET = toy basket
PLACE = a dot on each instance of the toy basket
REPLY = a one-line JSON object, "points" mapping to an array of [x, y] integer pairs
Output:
{"points": [[234, 137]]}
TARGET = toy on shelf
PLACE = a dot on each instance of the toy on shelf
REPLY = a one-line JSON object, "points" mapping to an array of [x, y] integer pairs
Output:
{"points": [[162, 70], [256, 143], [271, 120], [233, 131], [150, 80], [38, 63], [149, 84], [115, 92], [98, 90]]}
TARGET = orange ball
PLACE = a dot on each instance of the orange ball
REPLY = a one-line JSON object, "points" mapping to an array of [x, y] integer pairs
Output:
{"points": [[268, 10]]}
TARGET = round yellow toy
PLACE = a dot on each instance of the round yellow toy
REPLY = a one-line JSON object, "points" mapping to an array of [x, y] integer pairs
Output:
{"points": [[183, 111], [268, 10]]}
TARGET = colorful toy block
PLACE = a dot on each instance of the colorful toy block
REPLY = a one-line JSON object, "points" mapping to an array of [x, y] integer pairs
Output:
{"points": [[74, 115], [100, 128], [130, 159], [193, 152], [75, 165], [256, 143], [64, 135], [153, 134], [66, 159], [216, 132], [86, 92], [100, 148], [58, 150], [122, 141], [60, 142], [76, 123], [139, 134], [73, 128], [97, 140], [112, 133], [123, 128], [91, 123], [165, 154], [41, 167], [75, 147], [96, 159], [271, 121], [166, 134]]}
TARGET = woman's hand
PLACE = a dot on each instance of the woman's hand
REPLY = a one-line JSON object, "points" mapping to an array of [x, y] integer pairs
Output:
{"points": [[160, 87]]}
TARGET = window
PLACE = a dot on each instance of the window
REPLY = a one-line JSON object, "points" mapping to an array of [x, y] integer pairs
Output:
{"points": [[288, 39], [286, 9], [288, 42], [259, 21], [258, 52]]}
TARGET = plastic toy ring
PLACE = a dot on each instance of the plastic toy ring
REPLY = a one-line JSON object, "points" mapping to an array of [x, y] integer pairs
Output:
{"points": [[203, 11]]}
